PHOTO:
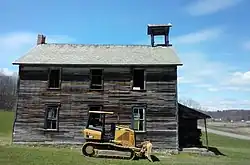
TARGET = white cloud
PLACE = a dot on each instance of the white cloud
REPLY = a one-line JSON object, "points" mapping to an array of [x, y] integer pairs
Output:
{"points": [[213, 89], [217, 103], [59, 39], [246, 45], [6, 71], [185, 80], [179, 78], [14, 41], [217, 78], [240, 78], [198, 68], [195, 37], [203, 79], [19, 39], [15, 44], [222, 87], [205, 7], [199, 36], [223, 104], [203, 85]]}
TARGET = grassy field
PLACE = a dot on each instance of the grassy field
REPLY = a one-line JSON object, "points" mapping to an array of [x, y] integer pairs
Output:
{"points": [[236, 151], [6, 121]]}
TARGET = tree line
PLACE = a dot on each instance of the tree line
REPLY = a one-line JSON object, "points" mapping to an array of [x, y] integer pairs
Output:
{"points": [[8, 90]]}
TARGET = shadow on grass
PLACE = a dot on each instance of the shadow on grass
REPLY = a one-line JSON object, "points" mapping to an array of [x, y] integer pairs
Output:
{"points": [[214, 150], [153, 158]]}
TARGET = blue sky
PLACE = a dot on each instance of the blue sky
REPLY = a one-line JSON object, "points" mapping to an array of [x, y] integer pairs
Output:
{"points": [[211, 37]]}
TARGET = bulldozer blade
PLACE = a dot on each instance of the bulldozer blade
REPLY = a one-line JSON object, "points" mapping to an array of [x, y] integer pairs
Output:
{"points": [[148, 151]]}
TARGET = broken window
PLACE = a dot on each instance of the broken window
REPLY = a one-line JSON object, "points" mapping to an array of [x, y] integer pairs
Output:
{"points": [[139, 118], [96, 79], [54, 78], [138, 79], [51, 121]]}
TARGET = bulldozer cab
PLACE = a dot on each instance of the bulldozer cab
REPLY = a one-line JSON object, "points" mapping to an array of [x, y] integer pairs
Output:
{"points": [[97, 126], [96, 121]]}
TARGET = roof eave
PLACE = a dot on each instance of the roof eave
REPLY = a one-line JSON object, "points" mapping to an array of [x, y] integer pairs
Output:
{"points": [[26, 63], [202, 115]]}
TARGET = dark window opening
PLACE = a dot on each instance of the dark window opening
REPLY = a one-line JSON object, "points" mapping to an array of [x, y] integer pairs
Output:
{"points": [[138, 79], [96, 79], [51, 121], [54, 78]]}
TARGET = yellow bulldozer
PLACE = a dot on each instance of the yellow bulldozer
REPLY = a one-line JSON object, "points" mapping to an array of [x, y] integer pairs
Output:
{"points": [[111, 139]]}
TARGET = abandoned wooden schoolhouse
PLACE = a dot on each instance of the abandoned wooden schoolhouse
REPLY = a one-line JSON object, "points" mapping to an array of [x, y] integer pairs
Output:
{"points": [[59, 83]]}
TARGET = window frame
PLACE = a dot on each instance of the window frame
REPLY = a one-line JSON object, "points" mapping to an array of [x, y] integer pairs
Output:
{"points": [[60, 78], [102, 79], [143, 108], [144, 79], [58, 105]]}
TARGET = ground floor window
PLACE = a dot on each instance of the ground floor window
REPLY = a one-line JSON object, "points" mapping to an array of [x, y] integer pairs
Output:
{"points": [[51, 116], [139, 118]]}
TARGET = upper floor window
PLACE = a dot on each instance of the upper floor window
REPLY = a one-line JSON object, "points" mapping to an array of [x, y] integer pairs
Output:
{"points": [[54, 78], [138, 79], [96, 79]]}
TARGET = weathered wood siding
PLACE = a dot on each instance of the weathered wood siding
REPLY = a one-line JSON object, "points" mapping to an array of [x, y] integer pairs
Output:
{"points": [[75, 96]]}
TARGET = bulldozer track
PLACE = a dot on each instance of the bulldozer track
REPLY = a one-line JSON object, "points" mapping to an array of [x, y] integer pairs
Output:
{"points": [[90, 149]]}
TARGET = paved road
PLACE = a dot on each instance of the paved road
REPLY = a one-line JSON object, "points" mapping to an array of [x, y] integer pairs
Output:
{"points": [[233, 135]]}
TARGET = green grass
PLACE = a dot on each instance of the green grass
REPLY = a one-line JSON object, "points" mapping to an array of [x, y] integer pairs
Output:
{"points": [[236, 151], [6, 122]]}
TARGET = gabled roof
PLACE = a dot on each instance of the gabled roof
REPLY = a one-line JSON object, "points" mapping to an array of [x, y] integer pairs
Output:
{"points": [[191, 113], [80, 54]]}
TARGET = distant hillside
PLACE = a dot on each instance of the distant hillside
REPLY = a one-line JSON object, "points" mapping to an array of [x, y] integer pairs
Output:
{"points": [[228, 115]]}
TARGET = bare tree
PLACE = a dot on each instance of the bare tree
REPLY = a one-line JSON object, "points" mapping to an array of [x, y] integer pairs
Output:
{"points": [[7, 91], [191, 103]]}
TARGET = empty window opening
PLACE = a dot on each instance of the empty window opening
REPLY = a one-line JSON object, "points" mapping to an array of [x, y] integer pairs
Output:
{"points": [[139, 118], [52, 117], [54, 78], [138, 79], [159, 40], [96, 79]]}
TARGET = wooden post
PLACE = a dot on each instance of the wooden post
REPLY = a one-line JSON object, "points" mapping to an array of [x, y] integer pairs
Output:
{"points": [[205, 123], [166, 40], [152, 40]]}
